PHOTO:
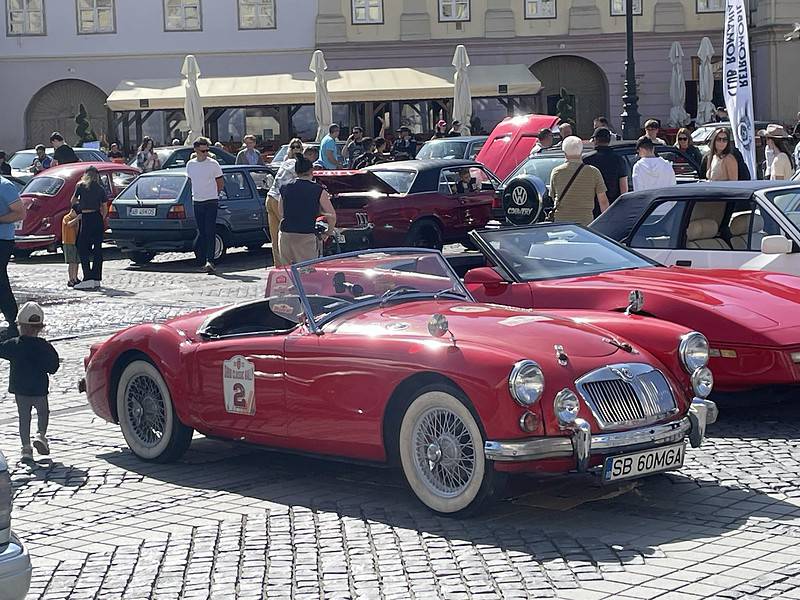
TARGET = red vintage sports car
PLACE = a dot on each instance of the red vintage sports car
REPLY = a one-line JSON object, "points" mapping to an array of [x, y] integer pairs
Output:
{"points": [[751, 318], [385, 356], [409, 203], [47, 199]]}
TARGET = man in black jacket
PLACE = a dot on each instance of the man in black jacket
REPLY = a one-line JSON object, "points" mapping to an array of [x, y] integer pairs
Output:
{"points": [[32, 359]]}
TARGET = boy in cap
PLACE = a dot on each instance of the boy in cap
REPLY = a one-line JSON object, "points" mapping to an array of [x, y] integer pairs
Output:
{"points": [[32, 359]]}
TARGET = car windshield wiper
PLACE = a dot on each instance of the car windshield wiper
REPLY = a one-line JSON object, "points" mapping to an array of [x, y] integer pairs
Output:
{"points": [[395, 292], [453, 291]]}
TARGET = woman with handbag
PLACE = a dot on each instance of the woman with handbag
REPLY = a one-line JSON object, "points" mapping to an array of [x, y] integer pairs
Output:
{"points": [[574, 186]]}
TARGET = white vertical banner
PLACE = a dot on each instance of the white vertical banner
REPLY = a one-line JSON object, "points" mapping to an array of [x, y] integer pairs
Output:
{"points": [[738, 81]]}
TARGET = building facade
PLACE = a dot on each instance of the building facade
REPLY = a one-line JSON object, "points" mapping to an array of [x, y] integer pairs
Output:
{"points": [[58, 54]]}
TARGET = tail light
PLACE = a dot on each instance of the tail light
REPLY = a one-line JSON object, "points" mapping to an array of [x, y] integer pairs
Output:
{"points": [[177, 212], [113, 213], [497, 201]]}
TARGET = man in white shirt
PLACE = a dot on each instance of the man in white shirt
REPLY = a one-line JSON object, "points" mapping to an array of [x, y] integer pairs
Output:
{"points": [[651, 171], [207, 183]]}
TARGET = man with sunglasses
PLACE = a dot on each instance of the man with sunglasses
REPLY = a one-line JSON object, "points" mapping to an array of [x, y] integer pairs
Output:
{"points": [[207, 184]]}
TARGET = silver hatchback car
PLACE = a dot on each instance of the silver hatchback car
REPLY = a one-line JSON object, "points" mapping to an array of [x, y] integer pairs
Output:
{"points": [[15, 563]]}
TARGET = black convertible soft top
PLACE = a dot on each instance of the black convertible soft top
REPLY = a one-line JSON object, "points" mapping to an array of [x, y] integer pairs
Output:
{"points": [[619, 220]]}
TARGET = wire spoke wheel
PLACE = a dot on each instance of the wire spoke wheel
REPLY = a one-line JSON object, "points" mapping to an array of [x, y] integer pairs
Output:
{"points": [[444, 451], [146, 410]]}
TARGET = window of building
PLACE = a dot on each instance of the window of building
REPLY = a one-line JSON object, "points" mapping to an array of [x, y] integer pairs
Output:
{"points": [[182, 15], [25, 17], [96, 16], [454, 10], [710, 6], [256, 14], [618, 7], [367, 12], [540, 9]]}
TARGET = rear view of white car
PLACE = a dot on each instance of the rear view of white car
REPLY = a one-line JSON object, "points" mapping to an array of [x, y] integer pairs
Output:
{"points": [[15, 564]]}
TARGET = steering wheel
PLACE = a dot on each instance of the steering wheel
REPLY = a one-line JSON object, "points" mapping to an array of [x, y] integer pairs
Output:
{"points": [[588, 260]]}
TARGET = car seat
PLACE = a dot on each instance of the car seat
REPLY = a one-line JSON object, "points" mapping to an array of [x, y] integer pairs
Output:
{"points": [[703, 234], [739, 228]]}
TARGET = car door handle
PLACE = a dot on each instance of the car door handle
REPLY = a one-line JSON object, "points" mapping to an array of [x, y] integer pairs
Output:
{"points": [[683, 263]]}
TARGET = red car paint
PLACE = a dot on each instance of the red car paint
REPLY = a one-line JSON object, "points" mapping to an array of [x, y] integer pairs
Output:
{"points": [[329, 393], [41, 227], [753, 313], [511, 141]]}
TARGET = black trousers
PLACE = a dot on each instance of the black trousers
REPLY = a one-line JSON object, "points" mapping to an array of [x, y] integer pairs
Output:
{"points": [[8, 304], [90, 245], [205, 213]]}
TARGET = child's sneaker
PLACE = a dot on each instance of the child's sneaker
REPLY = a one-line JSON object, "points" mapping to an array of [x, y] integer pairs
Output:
{"points": [[41, 444], [27, 454]]}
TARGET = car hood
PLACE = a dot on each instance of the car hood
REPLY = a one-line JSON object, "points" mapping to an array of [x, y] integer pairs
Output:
{"points": [[746, 307], [520, 332]]}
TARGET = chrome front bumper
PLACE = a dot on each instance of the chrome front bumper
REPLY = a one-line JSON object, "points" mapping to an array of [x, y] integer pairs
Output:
{"points": [[38, 239], [581, 443], [15, 570]]}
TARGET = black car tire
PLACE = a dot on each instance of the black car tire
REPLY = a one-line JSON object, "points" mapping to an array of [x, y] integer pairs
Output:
{"points": [[425, 233], [519, 193], [220, 245], [141, 257]]}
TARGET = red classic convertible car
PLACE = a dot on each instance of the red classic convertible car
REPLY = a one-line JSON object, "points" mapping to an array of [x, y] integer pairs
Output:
{"points": [[751, 318], [419, 203], [385, 356], [47, 197]]}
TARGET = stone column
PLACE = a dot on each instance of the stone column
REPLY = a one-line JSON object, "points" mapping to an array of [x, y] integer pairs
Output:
{"points": [[331, 22], [499, 20], [415, 21], [584, 17]]}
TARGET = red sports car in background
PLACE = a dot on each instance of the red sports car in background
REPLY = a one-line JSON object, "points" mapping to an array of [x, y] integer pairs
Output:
{"points": [[47, 199], [384, 356], [409, 203], [751, 318]]}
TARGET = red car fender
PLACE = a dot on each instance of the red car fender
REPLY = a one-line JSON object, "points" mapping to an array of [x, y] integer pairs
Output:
{"points": [[162, 345]]}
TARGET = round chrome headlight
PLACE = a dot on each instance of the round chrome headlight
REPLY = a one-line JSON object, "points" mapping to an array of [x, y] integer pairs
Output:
{"points": [[693, 350], [703, 382], [526, 382], [566, 406]]}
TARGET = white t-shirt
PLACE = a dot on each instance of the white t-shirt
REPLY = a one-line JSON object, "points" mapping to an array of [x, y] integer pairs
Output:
{"points": [[203, 175], [285, 176]]}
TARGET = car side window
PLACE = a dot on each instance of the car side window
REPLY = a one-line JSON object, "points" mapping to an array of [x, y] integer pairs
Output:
{"points": [[263, 180], [661, 228], [121, 179], [680, 165], [480, 177], [707, 228], [178, 159], [236, 186], [476, 148], [447, 182], [106, 183]]}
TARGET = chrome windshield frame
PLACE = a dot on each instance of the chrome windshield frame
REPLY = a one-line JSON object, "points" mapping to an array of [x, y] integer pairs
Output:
{"points": [[315, 326]]}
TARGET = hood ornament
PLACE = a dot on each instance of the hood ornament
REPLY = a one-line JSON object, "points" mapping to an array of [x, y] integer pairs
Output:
{"points": [[561, 356], [635, 302], [438, 326]]}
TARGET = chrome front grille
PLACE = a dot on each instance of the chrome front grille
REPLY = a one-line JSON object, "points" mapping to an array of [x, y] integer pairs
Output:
{"points": [[627, 395]]}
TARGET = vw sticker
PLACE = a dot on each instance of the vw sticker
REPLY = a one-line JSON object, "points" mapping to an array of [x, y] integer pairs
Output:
{"points": [[238, 384]]}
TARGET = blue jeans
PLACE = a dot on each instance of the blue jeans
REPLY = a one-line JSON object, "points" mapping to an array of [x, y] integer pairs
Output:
{"points": [[205, 213]]}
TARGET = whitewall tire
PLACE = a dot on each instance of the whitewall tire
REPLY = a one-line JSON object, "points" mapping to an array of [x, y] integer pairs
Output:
{"points": [[147, 416]]}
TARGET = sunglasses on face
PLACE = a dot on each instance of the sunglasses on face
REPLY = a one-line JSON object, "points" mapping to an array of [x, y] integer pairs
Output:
{"points": [[683, 139], [199, 151], [296, 147], [722, 139]]}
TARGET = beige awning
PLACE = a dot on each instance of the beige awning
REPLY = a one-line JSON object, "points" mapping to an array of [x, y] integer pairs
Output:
{"points": [[345, 86]]}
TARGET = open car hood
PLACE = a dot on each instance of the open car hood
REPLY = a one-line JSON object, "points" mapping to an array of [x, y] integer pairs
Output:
{"points": [[342, 182]]}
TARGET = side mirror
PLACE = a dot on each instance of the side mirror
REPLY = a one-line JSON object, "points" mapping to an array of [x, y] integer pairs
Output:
{"points": [[485, 276], [776, 244]]}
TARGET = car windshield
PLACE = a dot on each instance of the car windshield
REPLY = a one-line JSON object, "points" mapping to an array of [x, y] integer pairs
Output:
{"points": [[557, 251], [347, 281], [280, 155], [539, 166], [701, 134], [155, 187], [442, 149], [22, 160], [399, 180], [46, 186], [788, 202]]}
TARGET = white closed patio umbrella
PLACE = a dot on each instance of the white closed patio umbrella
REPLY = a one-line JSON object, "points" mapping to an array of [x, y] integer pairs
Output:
{"points": [[323, 109], [705, 90], [678, 117], [193, 104], [462, 96]]}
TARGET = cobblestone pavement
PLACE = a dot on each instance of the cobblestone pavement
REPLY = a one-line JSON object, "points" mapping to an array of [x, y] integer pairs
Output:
{"points": [[233, 521]]}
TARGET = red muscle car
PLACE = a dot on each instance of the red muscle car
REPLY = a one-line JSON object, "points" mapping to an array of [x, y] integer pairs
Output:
{"points": [[420, 203], [751, 318], [47, 199], [384, 356]]}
